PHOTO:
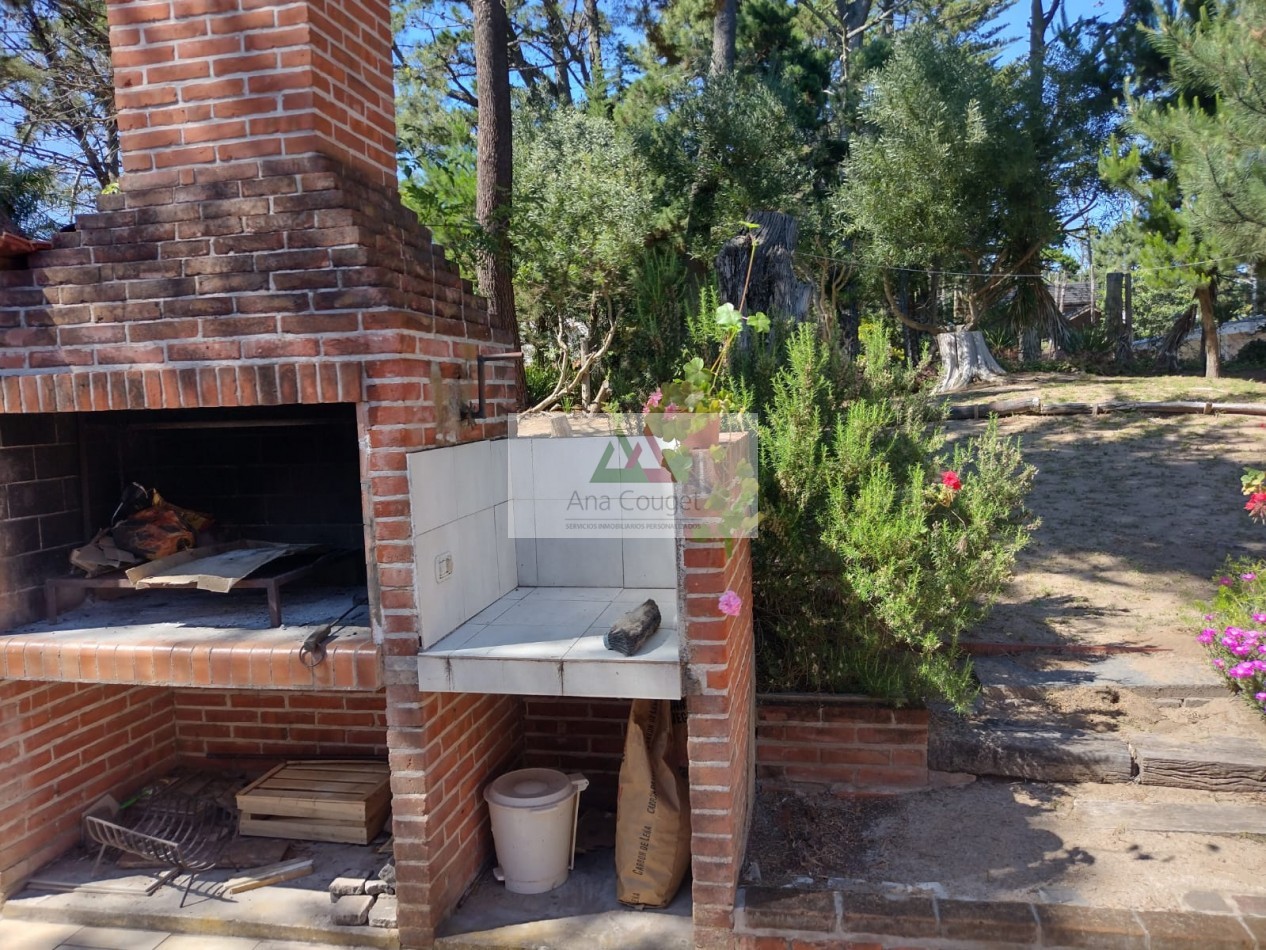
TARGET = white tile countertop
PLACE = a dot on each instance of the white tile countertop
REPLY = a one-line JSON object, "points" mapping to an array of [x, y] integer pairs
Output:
{"points": [[547, 641]]}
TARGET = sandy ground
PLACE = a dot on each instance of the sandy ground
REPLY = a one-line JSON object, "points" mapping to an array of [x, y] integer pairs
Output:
{"points": [[1138, 514], [1000, 840]]}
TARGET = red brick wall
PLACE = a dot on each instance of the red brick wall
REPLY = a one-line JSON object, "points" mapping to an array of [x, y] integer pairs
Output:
{"points": [[40, 510], [63, 746], [720, 703], [841, 745], [223, 724], [200, 82], [578, 735], [445, 747]]}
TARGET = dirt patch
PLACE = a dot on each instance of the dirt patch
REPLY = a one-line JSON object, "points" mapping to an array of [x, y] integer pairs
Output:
{"points": [[1000, 840], [801, 835]]}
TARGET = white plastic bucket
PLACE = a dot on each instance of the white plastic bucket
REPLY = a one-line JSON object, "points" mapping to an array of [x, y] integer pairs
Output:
{"points": [[534, 814]]}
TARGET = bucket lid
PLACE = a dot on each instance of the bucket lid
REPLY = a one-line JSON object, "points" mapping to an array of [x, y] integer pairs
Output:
{"points": [[530, 788]]}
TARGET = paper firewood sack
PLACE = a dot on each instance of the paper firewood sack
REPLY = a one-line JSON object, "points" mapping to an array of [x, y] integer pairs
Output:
{"points": [[652, 824]]}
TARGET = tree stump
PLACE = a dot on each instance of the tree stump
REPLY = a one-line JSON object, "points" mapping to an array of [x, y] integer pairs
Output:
{"points": [[965, 358]]}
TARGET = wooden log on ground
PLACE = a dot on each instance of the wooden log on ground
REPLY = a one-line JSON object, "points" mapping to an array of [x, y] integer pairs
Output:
{"points": [[1240, 408], [999, 407], [1214, 765]]}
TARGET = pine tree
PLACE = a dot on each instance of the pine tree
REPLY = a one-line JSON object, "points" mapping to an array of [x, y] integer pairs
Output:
{"points": [[1216, 152]]}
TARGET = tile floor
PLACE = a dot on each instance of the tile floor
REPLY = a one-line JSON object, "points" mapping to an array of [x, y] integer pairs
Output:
{"points": [[31, 935]]}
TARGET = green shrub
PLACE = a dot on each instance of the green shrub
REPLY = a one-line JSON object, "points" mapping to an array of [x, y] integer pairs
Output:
{"points": [[869, 563]]}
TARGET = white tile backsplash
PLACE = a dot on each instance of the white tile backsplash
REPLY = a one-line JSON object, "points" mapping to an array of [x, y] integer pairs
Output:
{"points": [[432, 489], [649, 562], [507, 565], [579, 562]]}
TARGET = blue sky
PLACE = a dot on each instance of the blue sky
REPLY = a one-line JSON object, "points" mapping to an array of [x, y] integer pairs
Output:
{"points": [[1016, 31]]}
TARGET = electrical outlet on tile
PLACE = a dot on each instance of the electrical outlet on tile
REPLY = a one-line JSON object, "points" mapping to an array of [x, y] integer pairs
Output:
{"points": [[443, 567]]}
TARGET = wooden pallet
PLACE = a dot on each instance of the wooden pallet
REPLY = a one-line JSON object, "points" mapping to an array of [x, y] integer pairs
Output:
{"points": [[318, 801]]}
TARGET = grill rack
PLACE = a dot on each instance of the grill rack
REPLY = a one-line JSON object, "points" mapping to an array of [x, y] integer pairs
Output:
{"points": [[184, 833]]}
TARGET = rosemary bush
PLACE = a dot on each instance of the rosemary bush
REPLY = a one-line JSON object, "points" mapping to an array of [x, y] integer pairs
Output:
{"points": [[878, 545]]}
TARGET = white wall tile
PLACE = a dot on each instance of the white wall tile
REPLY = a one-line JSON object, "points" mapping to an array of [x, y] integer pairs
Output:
{"points": [[579, 562], [525, 561], [507, 559], [477, 571], [474, 484], [432, 489], [439, 603], [519, 461], [649, 562]]}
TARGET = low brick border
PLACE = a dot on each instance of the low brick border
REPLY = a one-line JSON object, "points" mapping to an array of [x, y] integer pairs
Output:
{"points": [[840, 744], [770, 918]]}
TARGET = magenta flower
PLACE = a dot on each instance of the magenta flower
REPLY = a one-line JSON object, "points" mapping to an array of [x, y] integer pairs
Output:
{"points": [[1250, 576], [1208, 617], [1207, 635], [730, 604], [1224, 582], [1259, 618], [1260, 697], [1219, 663]]}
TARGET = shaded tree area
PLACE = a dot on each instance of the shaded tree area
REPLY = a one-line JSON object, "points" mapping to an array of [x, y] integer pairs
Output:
{"points": [[57, 97], [934, 165]]}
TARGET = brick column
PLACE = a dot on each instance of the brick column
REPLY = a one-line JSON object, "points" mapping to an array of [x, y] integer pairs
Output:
{"points": [[720, 703], [201, 82]]}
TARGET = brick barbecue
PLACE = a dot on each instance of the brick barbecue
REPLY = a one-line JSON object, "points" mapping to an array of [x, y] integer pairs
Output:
{"points": [[256, 264]]}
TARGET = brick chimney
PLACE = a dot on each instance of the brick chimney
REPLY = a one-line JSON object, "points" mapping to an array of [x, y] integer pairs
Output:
{"points": [[203, 83]]}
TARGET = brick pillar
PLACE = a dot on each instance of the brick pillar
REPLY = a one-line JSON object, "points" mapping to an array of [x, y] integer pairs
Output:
{"points": [[720, 702], [202, 82]]}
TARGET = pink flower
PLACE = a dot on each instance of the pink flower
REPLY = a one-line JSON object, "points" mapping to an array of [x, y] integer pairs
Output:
{"points": [[671, 409], [1260, 697], [1207, 635], [1219, 663], [730, 603], [1250, 576], [951, 480], [1209, 617], [1259, 618], [653, 400], [1224, 582]]}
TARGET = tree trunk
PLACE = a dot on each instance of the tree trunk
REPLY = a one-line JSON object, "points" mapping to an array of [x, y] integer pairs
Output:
{"points": [[1209, 332], [965, 358], [494, 169], [774, 288], [1030, 344], [724, 28], [556, 37], [1114, 317], [597, 78]]}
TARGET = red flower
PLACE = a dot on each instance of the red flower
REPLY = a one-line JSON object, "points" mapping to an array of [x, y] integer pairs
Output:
{"points": [[1256, 502], [951, 481]]}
